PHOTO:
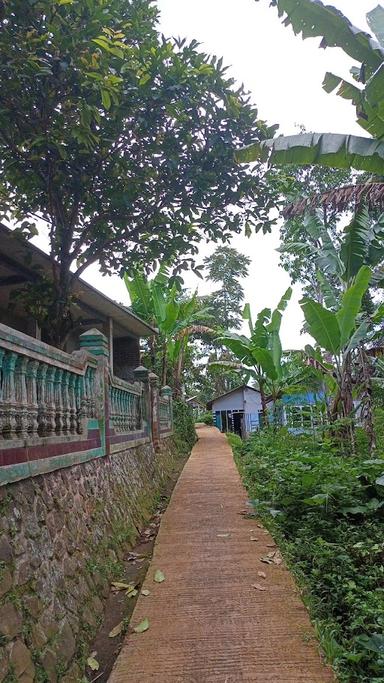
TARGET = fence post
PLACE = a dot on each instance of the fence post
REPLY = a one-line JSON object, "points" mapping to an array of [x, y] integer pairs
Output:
{"points": [[155, 421], [166, 392], [141, 375], [96, 343]]}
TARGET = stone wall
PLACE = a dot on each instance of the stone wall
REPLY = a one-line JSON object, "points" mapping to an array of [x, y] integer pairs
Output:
{"points": [[61, 537]]}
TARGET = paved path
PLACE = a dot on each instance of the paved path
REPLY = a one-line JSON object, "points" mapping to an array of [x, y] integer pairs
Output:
{"points": [[207, 623]]}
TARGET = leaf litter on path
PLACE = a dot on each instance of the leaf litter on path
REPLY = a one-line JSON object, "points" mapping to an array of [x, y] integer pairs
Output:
{"points": [[145, 592], [259, 587], [143, 626], [116, 630], [159, 576], [121, 586], [273, 557], [93, 663], [132, 593]]}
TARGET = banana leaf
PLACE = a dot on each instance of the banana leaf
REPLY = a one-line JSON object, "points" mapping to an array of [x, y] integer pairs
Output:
{"points": [[375, 21], [314, 19], [355, 246], [323, 149], [322, 325], [351, 304]]}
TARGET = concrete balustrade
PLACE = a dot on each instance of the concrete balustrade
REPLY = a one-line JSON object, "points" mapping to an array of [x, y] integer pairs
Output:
{"points": [[58, 409]]}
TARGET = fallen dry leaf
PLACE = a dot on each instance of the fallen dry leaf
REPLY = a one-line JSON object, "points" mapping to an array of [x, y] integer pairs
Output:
{"points": [[145, 592], [273, 557], [132, 593], [116, 630], [271, 545], [93, 664], [262, 574], [258, 587], [159, 576], [277, 557], [222, 535], [120, 586], [143, 626], [253, 538]]}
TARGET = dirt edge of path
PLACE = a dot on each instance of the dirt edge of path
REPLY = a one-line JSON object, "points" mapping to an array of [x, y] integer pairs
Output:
{"points": [[119, 607]]}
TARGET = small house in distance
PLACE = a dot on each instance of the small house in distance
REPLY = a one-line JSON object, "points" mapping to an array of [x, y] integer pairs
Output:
{"points": [[238, 411], [197, 407]]}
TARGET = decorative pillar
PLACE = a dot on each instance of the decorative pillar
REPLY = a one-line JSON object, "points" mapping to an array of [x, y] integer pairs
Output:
{"points": [[21, 396], [141, 374], [32, 369], [9, 395], [96, 343], [154, 393], [166, 392]]}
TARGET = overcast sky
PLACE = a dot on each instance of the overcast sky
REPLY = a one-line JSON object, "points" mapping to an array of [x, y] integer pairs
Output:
{"points": [[284, 75]]}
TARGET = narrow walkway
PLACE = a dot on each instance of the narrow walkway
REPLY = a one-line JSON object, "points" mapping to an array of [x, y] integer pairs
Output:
{"points": [[207, 621]]}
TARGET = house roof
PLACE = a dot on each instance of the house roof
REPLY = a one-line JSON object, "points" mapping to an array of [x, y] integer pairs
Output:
{"points": [[18, 262], [195, 399], [228, 393]]}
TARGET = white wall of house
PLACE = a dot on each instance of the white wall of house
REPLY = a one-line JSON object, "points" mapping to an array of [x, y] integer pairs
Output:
{"points": [[234, 401], [252, 402]]}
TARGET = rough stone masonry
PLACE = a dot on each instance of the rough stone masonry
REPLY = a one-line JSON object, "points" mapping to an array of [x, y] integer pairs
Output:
{"points": [[60, 535]]}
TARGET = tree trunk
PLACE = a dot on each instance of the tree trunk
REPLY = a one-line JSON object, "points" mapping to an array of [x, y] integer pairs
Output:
{"points": [[164, 365], [178, 373], [49, 302], [367, 407], [263, 404]]}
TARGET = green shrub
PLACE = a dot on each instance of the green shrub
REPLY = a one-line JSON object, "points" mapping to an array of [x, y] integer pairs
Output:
{"points": [[235, 441], [327, 513], [184, 427], [206, 418]]}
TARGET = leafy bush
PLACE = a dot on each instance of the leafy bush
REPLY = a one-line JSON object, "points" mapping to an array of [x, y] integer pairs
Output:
{"points": [[206, 418], [327, 513], [184, 427], [234, 440]]}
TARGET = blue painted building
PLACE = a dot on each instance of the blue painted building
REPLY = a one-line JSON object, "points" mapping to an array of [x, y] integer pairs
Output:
{"points": [[240, 411], [303, 412]]}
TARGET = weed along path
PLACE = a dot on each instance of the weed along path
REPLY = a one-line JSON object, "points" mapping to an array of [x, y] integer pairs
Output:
{"points": [[218, 613]]}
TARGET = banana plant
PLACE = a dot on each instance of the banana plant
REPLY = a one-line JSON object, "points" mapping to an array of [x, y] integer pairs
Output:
{"points": [[312, 18], [339, 332], [161, 302], [261, 353], [337, 260]]}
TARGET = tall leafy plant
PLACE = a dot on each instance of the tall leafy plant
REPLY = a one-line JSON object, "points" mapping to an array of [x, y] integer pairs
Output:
{"points": [[339, 332], [365, 91], [261, 353], [177, 316]]}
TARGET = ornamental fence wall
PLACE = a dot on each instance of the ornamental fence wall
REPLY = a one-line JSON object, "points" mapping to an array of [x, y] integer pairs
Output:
{"points": [[59, 409]]}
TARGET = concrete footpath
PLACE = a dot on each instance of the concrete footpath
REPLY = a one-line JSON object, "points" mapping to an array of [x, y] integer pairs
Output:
{"points": [[221, 614]]}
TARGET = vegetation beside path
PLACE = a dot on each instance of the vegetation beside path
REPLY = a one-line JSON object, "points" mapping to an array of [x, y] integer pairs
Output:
{"points": [[326, 512]]}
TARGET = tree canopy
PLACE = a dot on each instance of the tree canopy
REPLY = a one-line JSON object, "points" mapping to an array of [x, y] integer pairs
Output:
{"points": [[119, 139], [225, 267]]}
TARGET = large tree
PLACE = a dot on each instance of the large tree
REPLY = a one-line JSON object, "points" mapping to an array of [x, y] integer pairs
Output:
{"points": [[226, 267], [119, 140]]}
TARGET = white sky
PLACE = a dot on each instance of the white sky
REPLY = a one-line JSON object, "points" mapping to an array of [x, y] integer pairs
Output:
{"points": [[284, 75]]}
